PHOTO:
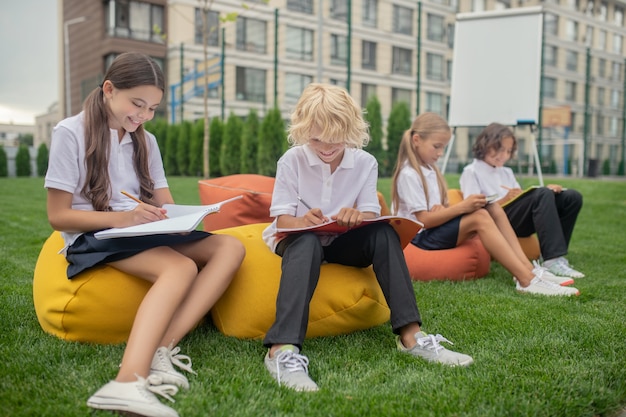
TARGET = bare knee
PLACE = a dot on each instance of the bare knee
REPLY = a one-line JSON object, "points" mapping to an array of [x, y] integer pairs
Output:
{"points": [[479, 219], [230, 247]]}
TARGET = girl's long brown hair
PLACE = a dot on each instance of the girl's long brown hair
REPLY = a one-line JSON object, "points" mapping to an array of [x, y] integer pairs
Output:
{"points": [[423, 125], [128, 70]]}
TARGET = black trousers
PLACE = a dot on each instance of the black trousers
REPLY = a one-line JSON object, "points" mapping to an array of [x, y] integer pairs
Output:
{"points": [[376, 244], [551, 215]]}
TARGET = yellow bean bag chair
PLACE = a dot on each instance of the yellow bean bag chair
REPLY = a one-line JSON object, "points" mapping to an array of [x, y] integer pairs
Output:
{"points": [[97, 306], [346, 298]]}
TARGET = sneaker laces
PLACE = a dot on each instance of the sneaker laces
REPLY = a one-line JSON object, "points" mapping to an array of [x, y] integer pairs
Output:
{"points": [[181, 361], [292, 362], [431, 342], [154, 384]]}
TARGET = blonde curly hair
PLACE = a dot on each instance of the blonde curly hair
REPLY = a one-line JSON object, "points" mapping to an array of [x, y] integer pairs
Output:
{"points": [[331, 109]]}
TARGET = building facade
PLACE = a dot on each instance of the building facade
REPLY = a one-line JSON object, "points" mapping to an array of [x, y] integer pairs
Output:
{"points": [[263, 55]]}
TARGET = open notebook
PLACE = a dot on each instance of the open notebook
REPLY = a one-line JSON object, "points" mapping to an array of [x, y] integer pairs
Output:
{"points": [[181, 219]]}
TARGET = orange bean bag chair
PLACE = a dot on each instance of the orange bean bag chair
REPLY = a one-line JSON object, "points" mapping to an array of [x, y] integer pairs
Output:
{"points": [[530, 244]]}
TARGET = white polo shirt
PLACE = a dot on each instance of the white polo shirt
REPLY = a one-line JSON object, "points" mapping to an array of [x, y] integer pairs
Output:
{"points": [[300, 172], [411, 195], [67, 170], [481, 178]]}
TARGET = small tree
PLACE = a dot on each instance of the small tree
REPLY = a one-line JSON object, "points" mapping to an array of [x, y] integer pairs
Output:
{"points": [[230, 153], [22, 162], [158, 127], [399, 121], [606, 167], [4, 163], [272, 142], [171, 137], [249, 143], [216, 131], [374, 117], [195, 148], [620, 168], [42, 160]]}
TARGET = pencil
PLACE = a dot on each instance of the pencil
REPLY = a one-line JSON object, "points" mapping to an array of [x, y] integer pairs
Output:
{"points": [[506, 188], [304, 203], [131, 197], [136, 199]]}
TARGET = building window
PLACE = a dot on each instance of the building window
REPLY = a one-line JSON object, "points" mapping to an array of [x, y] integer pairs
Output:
{"points": [[601, 93], [434, 103], [613, 128], [213, 27], [368, 55], [250, 84], [571, 59], [601, 67], [589, 36], [135, 20], [299, 43], [339, 83], [434, 67], [478, 5], [617, 43], [370, 14], [339, 9], [618, 16], [294, 84], [401, 61], [304, 6], [614, 99], [551, 24], [572, 31], [399, 95], [570, 91], [251, 35], [573, 4], [502, 4], [602, 40], [338, 49], [367, 91], [402, 20], [600, 124], [450, 35], [549, 87], [435, 28], [602, 12], [449, 69], [617, 70], [550, 55]]}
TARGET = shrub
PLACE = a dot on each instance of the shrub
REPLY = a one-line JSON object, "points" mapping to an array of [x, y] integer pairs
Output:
{"points": [[230, 152], [4, 163], [42, 160], [216, 132], [250, 144], [196, 149], [272, 142], [620, 168], [182, 148], [169, 161], [399, 121], [606, 167], [374, 117], [22, 162]]}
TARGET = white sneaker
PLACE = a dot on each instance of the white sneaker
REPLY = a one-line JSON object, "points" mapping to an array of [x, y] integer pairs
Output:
{"points": [[428, 348], [290, 369], [543, 287], [546, 275], [136, 397], [163, 366], [561, 267]]}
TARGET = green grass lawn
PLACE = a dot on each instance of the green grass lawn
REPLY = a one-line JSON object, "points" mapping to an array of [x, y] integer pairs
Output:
{"points": [[534, 356]]}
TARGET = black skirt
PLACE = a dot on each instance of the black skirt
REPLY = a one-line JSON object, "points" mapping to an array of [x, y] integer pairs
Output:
{"points": [[87, 251]]}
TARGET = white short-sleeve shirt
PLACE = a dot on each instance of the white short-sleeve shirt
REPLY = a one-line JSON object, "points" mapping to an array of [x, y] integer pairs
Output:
{"points": [[411, 195], [481, 178], [300, 172], [67, 170]]}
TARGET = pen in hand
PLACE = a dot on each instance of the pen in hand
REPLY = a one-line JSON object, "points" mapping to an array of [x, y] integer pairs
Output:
{"points": [[132, 197], [304, 203]]}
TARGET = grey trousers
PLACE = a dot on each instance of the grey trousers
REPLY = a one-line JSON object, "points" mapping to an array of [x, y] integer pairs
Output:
{"points": [[302, 255], [551, 215]]}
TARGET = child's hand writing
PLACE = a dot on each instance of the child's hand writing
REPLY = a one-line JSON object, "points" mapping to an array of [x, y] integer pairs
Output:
{"points": [[348, 217], [314, 216], [473, 202], [146, 213]]}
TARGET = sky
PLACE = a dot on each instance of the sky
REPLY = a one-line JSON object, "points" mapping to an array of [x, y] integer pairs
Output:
{"points": [[29, 59]]}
